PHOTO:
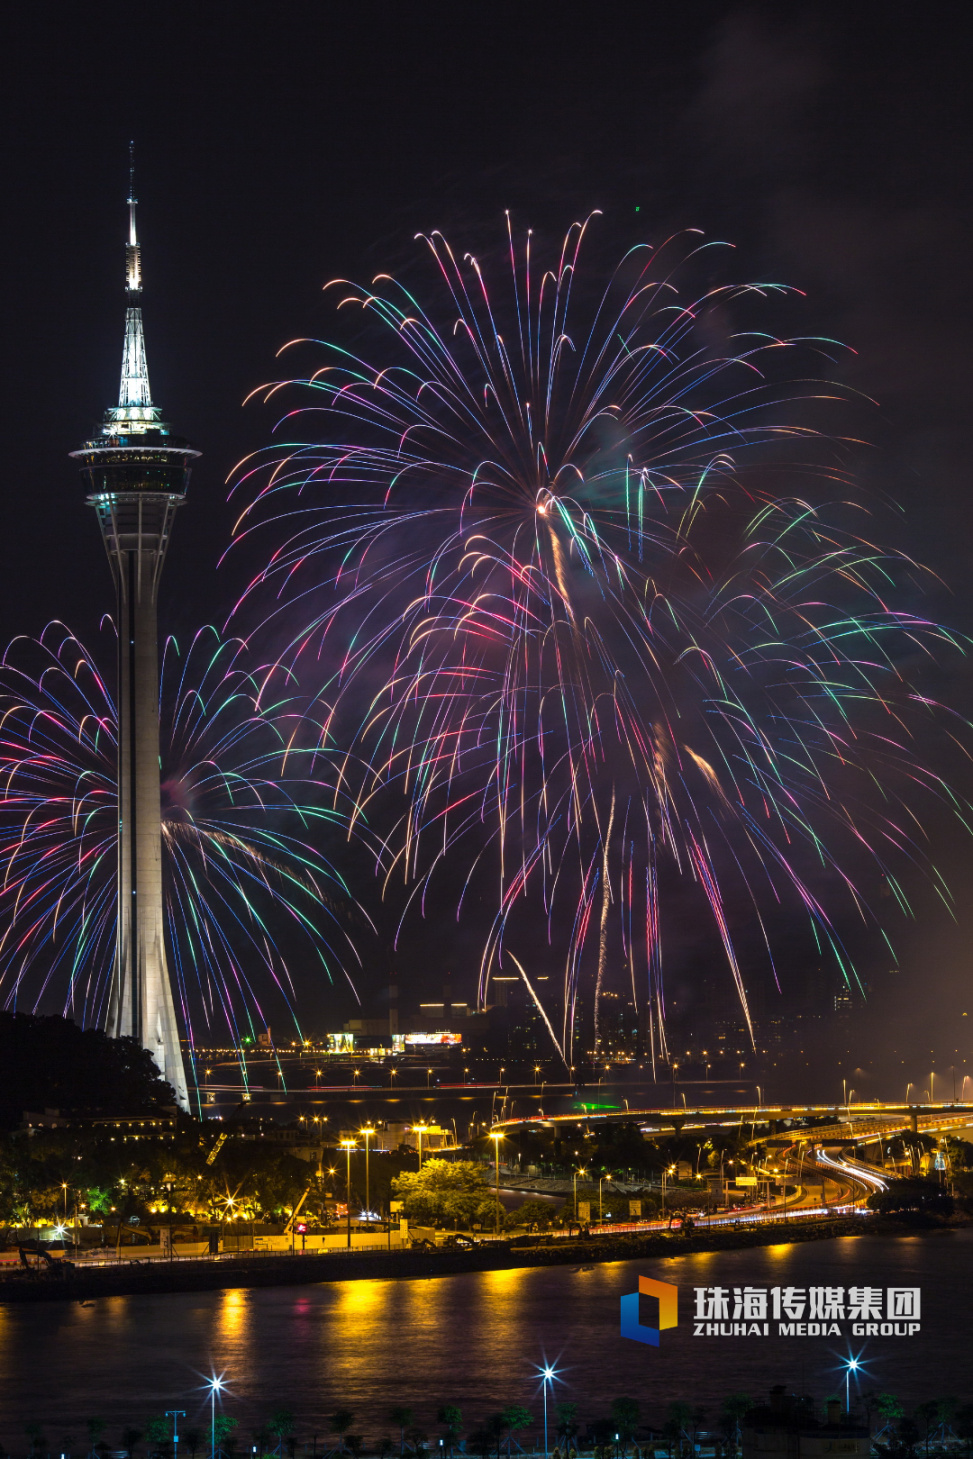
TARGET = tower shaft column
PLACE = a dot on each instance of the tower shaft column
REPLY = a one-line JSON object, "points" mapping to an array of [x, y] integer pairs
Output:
{"points": [[136, 531]]}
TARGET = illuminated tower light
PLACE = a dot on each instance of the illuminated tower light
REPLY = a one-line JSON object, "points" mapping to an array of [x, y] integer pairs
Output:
{"points": [[137, 473]]}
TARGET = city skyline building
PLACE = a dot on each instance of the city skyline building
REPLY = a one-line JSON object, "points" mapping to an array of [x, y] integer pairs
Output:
{"points": [[137, 473]]}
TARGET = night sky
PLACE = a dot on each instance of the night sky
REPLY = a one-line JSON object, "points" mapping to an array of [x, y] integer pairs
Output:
{"points": [[279, 146]]}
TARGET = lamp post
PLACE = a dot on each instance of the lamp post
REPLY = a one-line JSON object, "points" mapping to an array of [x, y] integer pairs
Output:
{"points": [[851, 1366], [496, 1137], [420, 1130], [215, 1386], [348, 1146], [537, 1070], [667, 1170], [428, 1077], [175, 1414], [579, 1170], [547, 1376], [368, 1131]]}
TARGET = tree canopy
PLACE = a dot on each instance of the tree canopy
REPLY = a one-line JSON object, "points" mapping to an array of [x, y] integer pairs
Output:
{"points": [[50, 1063], [445, 1192]]}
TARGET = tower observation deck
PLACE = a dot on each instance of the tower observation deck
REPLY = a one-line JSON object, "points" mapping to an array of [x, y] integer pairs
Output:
{"points": [[136, 472]]}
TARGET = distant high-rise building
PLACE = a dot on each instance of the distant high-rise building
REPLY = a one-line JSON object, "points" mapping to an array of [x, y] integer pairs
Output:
{"points": [[136, 473]]}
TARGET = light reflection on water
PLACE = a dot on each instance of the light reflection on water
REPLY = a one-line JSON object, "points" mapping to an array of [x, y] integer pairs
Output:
{"points": [[471, 1339]]}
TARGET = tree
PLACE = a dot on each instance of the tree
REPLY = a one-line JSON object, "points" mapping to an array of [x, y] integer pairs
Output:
{"points": [[96, 1427], [735, 1405], [480, 1442], [535, 1215], [417, 1439], [192, 1439], [281, 1425], [401, 1417], [341, 1421], [908, 1434], [963, 1422], [516, 1417], [601, 1435], [916, 1198], [159, 1435], [130, 1437], [225, 1436], [452, 1420], [625, 1417], [51, 1063], [567, 1422], [454, 1193], [35, 1438]]}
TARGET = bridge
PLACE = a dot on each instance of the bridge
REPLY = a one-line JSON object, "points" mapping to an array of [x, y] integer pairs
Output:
{"points": [[839, 1124]]}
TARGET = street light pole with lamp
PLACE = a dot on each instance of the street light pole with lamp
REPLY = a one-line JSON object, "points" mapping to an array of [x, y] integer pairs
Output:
{"points": [[175, 1414], [547, 1376], [420, 1130], [368, 1131], [851, 1366], [496, 1136], [348, 1146], [215, 1386], [579, 1170]]}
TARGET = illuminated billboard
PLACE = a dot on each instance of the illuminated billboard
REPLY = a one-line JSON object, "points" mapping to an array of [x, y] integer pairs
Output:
{"points": [[439, 1040], [341, 1043]]}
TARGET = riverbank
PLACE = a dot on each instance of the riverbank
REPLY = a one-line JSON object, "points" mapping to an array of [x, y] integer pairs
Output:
{"points": [[79, 1284]]}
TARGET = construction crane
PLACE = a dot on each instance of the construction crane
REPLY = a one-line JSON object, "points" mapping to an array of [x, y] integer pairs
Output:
{"points": [[222, 1138], [296, 1212]]}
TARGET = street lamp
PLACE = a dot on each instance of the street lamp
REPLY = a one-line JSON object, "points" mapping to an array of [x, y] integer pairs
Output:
{"points": [[667, 1170], [348, 1146], [851, 1366], [579, 1170], [215, 1386], [356, 1076], [496, 1136], [420, 1130], [368, 1131], [547, 1376], [428, 1077], [175, 1414], [537, 1070]]}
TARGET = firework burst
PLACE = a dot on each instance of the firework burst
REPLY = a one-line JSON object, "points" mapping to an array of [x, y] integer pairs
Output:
{"points": [[245, 888], [587, 590]]}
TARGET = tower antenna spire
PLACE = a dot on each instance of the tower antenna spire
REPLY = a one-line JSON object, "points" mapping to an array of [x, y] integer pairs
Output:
{"points": [[133, 253]]}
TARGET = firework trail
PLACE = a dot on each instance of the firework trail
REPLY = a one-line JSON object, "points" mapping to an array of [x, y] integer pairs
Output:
{"points": [[243, 880], [592, 614]]}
